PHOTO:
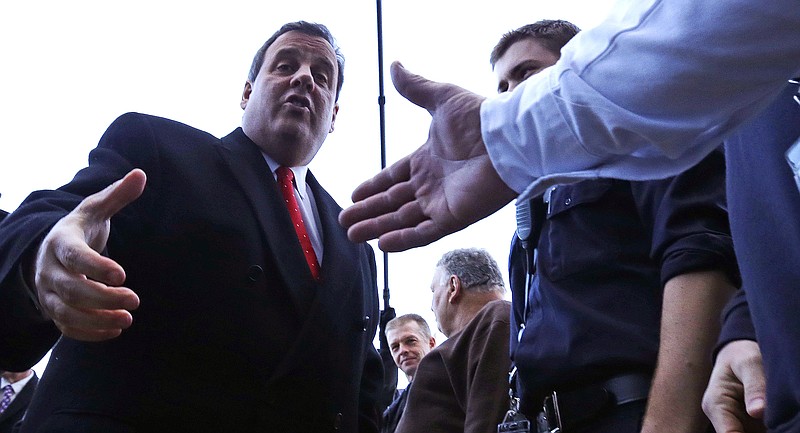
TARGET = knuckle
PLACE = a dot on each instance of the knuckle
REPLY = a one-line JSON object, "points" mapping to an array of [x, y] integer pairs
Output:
{"points": [[58, 312], [68, 256]]}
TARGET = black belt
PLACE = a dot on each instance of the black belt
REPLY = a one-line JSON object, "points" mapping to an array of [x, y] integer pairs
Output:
{"points": [[563, 410]]}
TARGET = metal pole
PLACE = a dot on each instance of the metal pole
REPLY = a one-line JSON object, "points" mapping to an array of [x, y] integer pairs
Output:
{"points": [[381, 104]]}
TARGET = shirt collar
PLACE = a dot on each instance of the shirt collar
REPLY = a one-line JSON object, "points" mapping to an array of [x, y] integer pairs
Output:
{"points": [[299, 174], [17, 386]]}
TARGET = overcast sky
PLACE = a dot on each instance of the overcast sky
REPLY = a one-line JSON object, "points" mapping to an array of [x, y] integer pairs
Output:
{"points": [[70, 68]]}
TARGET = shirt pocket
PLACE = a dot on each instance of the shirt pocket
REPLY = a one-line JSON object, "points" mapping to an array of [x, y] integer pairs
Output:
{"points": [[586, 227]]}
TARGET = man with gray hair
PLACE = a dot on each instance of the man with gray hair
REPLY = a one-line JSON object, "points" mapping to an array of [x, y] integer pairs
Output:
{"points": [[461, 385]]}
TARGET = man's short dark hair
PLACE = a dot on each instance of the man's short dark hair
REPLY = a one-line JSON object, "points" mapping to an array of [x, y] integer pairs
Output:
{"points": [[312, 29], [476, 269], [407, 318], [553, 34]]}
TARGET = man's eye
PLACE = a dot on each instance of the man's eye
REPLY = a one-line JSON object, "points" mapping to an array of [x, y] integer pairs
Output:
{"points": [[321, 78], [528, 72], [283, 67]]}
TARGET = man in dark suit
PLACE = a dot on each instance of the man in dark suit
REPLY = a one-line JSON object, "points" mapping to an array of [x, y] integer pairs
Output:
{"points": [[16, 390], [238, 313], [409, 339]]}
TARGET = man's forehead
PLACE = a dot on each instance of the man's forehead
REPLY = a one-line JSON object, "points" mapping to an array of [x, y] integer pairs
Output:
{"points": [[296, 41], [529, 48], [406, 330]]}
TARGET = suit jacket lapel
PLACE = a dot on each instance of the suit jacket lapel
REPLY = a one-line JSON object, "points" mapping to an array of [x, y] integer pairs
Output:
{"points": [[248, 166], [341, 259]]}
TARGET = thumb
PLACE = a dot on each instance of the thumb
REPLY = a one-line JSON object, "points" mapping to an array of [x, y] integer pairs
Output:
{"points": [[416, 88], [755, 396], [751, 374], [106, 203]]}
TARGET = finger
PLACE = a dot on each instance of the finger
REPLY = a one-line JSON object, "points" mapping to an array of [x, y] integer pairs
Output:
{"points": [[378, 205], [78, 320], [412, 237], [381, 214], [396, 173], [418, 89], [98, 325], [79, 292], [106, 203], [720, 402], [63, 267], [78, 258]]}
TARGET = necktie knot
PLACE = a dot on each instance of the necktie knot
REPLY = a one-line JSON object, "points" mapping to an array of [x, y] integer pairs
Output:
{"points": [[285, 173]]}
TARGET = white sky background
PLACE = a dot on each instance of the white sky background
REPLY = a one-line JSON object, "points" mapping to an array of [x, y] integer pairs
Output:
{"points": [[68, 69]]}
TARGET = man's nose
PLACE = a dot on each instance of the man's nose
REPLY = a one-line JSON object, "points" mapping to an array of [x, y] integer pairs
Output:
{"points": [[302, 77]]}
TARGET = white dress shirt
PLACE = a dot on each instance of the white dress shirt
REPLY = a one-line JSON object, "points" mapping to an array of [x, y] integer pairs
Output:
{"points": [[308, 206], [644, 95]]}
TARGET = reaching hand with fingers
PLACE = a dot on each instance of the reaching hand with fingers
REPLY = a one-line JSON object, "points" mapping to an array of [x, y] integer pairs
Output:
{"points": [[78, 288], [735, 400], [444, 186]]}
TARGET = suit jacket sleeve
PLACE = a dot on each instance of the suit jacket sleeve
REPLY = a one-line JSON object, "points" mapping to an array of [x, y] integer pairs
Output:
{"points": [[25, 335]]}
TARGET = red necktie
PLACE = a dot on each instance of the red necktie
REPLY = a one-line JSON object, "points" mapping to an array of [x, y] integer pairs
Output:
{"points": [[285, 180]]}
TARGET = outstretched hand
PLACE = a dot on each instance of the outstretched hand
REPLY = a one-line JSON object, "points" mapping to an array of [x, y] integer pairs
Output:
{"points": [[78, 288], [444, 186], [735, 399]]}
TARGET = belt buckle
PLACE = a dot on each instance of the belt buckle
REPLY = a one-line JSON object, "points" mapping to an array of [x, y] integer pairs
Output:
{"points": [[549, 420]]}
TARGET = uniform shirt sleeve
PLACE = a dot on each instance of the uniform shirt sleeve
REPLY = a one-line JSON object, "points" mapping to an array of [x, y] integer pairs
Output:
{"points": [[736, 322], [645, 94], [687, 216]]}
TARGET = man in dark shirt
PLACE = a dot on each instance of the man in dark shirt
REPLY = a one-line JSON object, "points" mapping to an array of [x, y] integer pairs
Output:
{"points": [[624, 286]]}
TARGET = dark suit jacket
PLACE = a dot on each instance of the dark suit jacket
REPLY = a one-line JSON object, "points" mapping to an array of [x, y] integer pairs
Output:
{"points": [[393, 413], [233, 334], [16, 409]]}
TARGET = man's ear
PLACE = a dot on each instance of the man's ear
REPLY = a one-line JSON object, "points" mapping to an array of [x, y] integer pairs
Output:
{"points": [[333, 117], [432, 342], [248, 87], [453, 289]]}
